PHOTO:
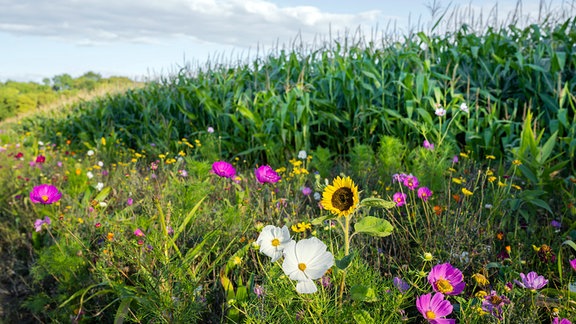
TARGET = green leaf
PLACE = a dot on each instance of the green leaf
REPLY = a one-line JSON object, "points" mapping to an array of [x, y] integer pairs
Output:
{"points": [[320, 220], [377, 202], [374, 226], [103, 194], [362, 317], [363, 293], [343, 263]]}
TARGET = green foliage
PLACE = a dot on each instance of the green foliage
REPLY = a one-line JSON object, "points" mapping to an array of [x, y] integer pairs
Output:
{"points": [[322, 161], [391, 152]]}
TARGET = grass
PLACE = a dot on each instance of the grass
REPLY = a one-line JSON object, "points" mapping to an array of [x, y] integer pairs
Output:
{"points": [[145, 232]]}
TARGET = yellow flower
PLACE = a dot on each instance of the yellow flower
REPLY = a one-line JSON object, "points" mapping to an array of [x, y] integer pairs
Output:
{"points": [[341, 197], [137, 155], [501, 184], [492, 178], [161, 156], [134, 160], [490, 157], [480, 279], [466, 192], [301, 227], [451, 169], [481, 294], [464, 155], [489, 172], [80, 220], [517, 187], [237, 260], [182, 153], [103, 141], [458, 180], [516, 162], [110, 236]]}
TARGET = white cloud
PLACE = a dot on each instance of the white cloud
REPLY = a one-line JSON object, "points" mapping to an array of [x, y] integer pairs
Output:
{"points": [[233, 22]]}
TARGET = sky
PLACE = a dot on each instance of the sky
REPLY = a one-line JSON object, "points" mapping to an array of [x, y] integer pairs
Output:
{"points": [[147, 39]]}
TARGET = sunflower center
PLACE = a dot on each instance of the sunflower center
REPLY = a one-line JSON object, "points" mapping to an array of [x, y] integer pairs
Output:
{"points": [[301, 266], [343, 199], [275, 242], [430, 315], [44, 198], [444, 286]]}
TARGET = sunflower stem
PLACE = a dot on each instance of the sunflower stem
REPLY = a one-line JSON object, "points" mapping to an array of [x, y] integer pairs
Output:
{"points": [[346, 253]]}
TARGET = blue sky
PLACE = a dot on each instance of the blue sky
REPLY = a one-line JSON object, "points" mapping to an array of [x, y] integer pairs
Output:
{"points": [[148, 38]]}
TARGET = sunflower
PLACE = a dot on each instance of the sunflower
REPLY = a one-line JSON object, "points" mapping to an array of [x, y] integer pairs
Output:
{"points": [[341, 197]]}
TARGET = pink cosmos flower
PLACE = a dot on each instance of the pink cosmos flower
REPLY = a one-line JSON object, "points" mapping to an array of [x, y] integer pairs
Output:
{"points": [[265, 174], [427, 145], [399, 198], [411, 182], [531, 281], [45, 194], [138, 232], [223, 169], [573, 264], [561, 321], [40, 159], [434, 308], [446, 279], [424, 193], [306, 191]]}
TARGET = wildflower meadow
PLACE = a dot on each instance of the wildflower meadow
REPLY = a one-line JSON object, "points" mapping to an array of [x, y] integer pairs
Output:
{"points": [[429, 179]]}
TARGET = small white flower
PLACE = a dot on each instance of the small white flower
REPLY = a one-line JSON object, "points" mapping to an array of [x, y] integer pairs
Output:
{"points": [[306, 261], [317, 196], [302, 155], [40, 143], [210, 130], [464, 107], [488, 206], [272, 241], [90, 175], [90, 153], [440, 112], [103, 204], [100, 186], [100, 163]]}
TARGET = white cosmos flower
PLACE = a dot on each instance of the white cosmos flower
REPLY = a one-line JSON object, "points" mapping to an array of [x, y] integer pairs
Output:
{"points": [[306, 261], [90, 175], [273, 240]]}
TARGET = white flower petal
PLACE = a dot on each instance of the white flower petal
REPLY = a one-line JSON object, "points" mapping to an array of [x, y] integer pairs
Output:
{"points": [[306, 287]]}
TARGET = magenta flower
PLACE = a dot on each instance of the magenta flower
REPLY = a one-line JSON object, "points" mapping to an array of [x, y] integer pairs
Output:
{"points": [[399, 198], [427, 145], [493, 304], [39, 222], [531, 281], [45, 194], [40, 159], [138, 232], [561, 321], [573, 264], [129, 202], [446, 279], [265, 174], [411, 182], [223, 169], [424, 193], [434, 308], [306, 191], [399, 177]]}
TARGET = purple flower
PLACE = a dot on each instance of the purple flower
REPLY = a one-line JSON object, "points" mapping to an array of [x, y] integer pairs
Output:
{"points": [[399, 198], [45, 194], [446, 279], [427, 145], [210, 130], [573, 264], [556, 224], [455, 159], [39, 222], [325, 282], [259, 291], [400, 284], [399, 177], [223, 169], [424, 193], [306, 191], [265, 174], [493, 304], [138, 232], [434, 308], [411, 182], [561, 321], [129, 202], [531, 281]]}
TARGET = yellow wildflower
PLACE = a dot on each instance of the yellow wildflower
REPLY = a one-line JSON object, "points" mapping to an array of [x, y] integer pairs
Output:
{"points": [[490, 157], [466, 192], [492, 179], [480, 279], [516, 162]]}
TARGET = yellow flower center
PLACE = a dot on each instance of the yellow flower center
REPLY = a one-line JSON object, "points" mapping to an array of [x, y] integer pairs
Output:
{"points": [[430, 315], [301, 266], [343, 199], [444, 286], [44, 198], [275, 242], [495, 300]]}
